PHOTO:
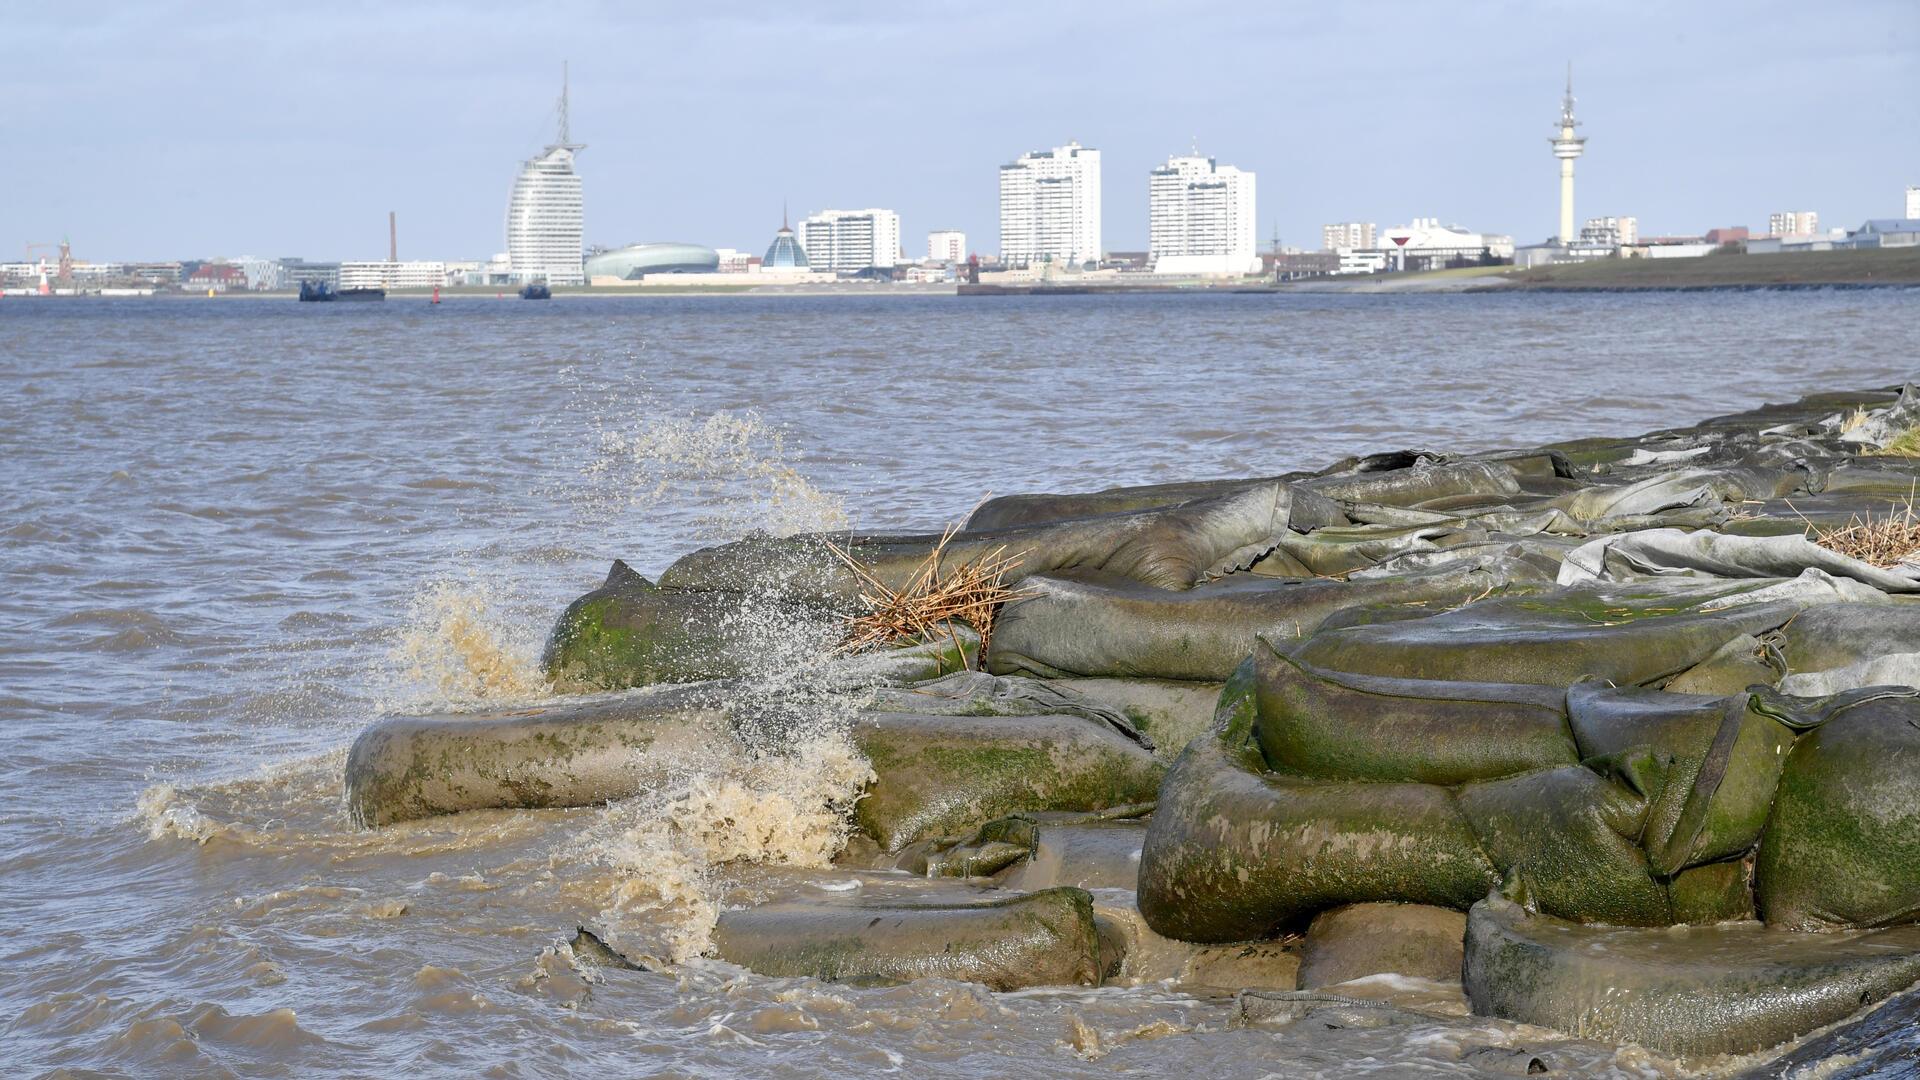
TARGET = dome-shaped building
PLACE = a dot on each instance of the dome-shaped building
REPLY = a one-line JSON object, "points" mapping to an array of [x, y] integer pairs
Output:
{"points": [[636, 261], [785, 253]]}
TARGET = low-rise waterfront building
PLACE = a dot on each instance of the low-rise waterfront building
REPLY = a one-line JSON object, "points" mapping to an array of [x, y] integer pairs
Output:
{"points": [[1789, 245], [1610, 232], [1671, 247], [1200, 218], [1294, 265], [1050, 207], [1884, 233], [384, 274], [157, 273], [261, 273], [635, 261], [849, 241], [217, 277], [1361, 261], [1425, 244], [947, 246], [296, 272], [735, 261]]}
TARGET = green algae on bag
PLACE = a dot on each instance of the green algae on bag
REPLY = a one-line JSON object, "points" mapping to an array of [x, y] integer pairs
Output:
{"points": [[1726, 989], [1045, 938], [1723, 759], [1235, 853], [1842, 847], [1564, 839], [944, 775], [631, 632], [1627, 635], [1335, 726], [1096, 625], [1171, 547]]}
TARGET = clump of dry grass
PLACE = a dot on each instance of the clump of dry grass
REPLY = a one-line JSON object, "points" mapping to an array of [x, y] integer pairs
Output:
{"points": [[1885, 542], [933, 601], [1853, 421], [1905, 444]]}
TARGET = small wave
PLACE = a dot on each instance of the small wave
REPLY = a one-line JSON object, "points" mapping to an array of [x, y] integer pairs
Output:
{"points": [[447, 483], [274, 1029], [168, 814]]}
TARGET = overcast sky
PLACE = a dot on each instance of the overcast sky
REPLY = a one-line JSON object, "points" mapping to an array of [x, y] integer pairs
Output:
{"points": [[180, 130]]}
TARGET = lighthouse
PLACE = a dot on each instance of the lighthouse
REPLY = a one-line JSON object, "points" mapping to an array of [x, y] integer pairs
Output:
{"points": [[1566, 147]]}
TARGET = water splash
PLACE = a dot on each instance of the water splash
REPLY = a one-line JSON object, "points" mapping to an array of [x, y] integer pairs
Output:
{"points": [[463, 644], [729, 472], [738, 806], [779, 790]]}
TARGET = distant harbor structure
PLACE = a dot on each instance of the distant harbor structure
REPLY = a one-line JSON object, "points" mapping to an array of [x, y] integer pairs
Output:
{"points": [[1050, 207], [1566, 147], [545, 223]]}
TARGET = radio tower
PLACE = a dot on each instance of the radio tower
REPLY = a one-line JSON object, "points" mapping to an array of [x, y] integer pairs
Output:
{"points": [[1566, 147]]}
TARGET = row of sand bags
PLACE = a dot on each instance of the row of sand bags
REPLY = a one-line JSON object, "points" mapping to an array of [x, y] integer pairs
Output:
{"points": [[1617, 805]]}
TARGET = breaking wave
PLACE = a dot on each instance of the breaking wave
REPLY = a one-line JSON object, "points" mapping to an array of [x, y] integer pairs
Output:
{"points": [[780, 789]]}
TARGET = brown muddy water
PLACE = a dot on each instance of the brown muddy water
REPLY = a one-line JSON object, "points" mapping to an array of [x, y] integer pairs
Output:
{"points": [[233, 533]]}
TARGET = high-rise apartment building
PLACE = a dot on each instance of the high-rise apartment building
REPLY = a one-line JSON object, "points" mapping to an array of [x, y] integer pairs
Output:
{"points": [[1347, 234], [545, 224], [1913, 203], [947, 246], [1050, 206], [848, 241], [1793, 223], [1200, 218]]}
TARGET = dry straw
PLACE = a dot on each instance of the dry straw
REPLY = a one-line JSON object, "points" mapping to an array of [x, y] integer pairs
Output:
{"points": [[934, 599], [1885, 543]]}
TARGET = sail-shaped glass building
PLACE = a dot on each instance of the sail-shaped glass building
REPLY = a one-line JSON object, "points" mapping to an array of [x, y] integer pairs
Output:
{"points": [[545, 224]]}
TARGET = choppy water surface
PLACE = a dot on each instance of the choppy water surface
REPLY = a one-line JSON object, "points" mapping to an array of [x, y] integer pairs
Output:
{"points": [[233, 532]]}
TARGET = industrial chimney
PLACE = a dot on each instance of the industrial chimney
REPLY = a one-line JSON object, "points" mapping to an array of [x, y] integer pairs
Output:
{"points": [[393, 238]]}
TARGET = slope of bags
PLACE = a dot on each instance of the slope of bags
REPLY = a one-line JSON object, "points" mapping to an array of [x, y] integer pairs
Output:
{"points": [[1555, 706]]}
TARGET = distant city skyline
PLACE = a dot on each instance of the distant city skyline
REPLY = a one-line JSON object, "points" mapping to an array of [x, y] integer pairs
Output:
{"points": [[1695, 120]]}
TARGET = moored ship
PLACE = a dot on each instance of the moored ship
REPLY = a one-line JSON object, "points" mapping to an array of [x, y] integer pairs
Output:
{"points": [[321, 292]]}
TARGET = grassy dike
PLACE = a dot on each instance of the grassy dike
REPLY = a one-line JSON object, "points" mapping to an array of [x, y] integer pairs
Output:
{"points": [[1893, 266]]}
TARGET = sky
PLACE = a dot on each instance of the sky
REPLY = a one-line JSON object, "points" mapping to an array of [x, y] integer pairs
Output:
{"points": [[165, 130]]}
